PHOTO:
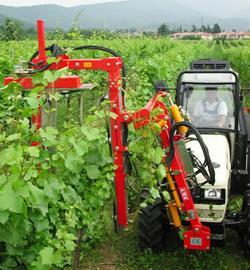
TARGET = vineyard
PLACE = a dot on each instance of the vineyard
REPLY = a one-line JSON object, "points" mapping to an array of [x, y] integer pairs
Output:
{"points": [[56, 201]]}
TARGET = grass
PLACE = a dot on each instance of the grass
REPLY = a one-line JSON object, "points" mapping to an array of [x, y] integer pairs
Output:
{"points": [[120, 252]]}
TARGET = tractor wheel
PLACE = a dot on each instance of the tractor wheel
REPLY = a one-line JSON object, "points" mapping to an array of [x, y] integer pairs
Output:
{"points": [[152, 226], [245, 236]]}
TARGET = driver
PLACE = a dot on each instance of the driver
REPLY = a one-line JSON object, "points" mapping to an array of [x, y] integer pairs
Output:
{"points": [[210, 111]]}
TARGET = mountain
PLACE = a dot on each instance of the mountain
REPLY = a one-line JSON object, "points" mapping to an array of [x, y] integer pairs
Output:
{"points": [[2, 19], [221, 8], [141, 14]]}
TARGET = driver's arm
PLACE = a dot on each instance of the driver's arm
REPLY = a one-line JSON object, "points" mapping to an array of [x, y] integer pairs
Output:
{"points": [[221, 121], [222, 112]]}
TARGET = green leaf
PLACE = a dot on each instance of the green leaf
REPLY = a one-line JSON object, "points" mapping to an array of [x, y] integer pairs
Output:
{"points": [[10, 200], [3, 179], [93, 172], [42, 225], [33, 151], [72, 163], [4, 216], [47, 255], [48, 76], [36, 90], [31, 173], [38, 198], [166, 195], [70, 245], [81, 148], [113, 115], [11, 155], [33, 101], [50, 131], [154, 193], [143, 205], [158, 155], [50, 136], [91, 134], [161, 171], [13, 137], [93, 157]]}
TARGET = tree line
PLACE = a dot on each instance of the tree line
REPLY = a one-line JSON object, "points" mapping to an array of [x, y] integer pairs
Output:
{"points": [[12, 29], [165, 30]]}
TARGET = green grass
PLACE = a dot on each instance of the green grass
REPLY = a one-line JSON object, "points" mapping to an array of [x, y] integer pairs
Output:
{"points": [[120, 252]]}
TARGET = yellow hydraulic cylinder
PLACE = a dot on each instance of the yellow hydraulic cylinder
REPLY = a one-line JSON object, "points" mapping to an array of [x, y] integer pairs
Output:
{"points": [[174, 214], [173, 189], [174, 205], [178, 118]]}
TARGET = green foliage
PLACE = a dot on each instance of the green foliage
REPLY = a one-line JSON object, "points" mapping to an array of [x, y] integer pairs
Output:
{"points": [[163, 30], [49, 192], [11, 30], [216, 28]]}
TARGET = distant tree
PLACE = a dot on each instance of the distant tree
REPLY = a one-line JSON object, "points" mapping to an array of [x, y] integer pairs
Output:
{"points": [[216, 28], [30, 33], [234, 30], [163, 30], [203, 28], [194, 28], [209, 29], [179, 29], [11, 30], [149, 33]]}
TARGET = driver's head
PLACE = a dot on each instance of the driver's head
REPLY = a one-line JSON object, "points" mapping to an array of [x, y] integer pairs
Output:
{"points": [[211, 93]]}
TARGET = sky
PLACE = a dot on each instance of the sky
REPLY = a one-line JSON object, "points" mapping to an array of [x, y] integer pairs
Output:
{"points": [[67, 3]]}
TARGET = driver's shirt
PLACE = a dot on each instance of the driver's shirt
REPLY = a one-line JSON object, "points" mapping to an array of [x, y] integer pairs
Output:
{"points": [[210, 111]]}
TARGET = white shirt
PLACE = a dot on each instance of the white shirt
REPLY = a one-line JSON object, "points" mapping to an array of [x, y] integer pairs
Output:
{"points": [[210, 111]]}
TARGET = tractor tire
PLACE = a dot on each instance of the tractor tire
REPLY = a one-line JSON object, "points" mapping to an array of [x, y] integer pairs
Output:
{"points": [[152, 226], [245, 236]]}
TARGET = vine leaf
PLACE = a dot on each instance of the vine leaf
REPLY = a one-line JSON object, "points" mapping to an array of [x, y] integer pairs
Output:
{"points": [[47, 255], [33, 151], [93, 172], [11, 155], [38, 198], [9, 200], [4, 216]]}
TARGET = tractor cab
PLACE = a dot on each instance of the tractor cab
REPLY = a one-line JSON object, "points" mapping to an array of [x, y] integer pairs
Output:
{"points": [[210, 94], [207, 95]]}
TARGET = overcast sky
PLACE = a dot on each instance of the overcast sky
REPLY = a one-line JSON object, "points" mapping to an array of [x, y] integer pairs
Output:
{"points": [[67, 3]]}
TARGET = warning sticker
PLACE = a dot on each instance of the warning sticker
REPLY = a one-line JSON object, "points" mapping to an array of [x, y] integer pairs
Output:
{"points": [[87, 65], [183, 193]]}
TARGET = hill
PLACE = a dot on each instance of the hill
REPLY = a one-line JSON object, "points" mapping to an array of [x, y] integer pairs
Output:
{"points": [[141, 14]]}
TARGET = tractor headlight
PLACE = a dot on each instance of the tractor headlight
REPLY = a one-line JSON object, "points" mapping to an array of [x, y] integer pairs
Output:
{"points": [[212, 194]]}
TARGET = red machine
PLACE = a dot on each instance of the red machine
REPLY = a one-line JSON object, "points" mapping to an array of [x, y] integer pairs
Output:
{"points": [[196, 236]]}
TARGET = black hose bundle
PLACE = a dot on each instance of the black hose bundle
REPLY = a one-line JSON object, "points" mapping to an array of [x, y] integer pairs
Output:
{"points": [[104, 49], [192, 129], [42, 66], [56, 51]]}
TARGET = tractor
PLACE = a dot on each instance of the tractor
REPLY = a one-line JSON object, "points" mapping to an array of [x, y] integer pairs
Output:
{"points": [[202, 161], [209, 92]]}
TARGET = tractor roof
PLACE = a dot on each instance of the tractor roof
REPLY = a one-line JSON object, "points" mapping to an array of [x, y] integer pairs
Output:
{"points": [[209, 71], [210, 64]]}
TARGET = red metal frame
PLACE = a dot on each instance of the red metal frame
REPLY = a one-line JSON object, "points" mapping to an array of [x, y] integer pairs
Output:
{"points": [[195, 237]]}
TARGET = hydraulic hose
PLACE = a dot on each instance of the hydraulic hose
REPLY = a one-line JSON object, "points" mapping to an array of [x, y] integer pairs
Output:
{"points": [[110, 51], [204, 148], [56, 50]]}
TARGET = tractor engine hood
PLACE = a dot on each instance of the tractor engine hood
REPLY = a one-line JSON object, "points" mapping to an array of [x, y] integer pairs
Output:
{"points": [[219, 152]]}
